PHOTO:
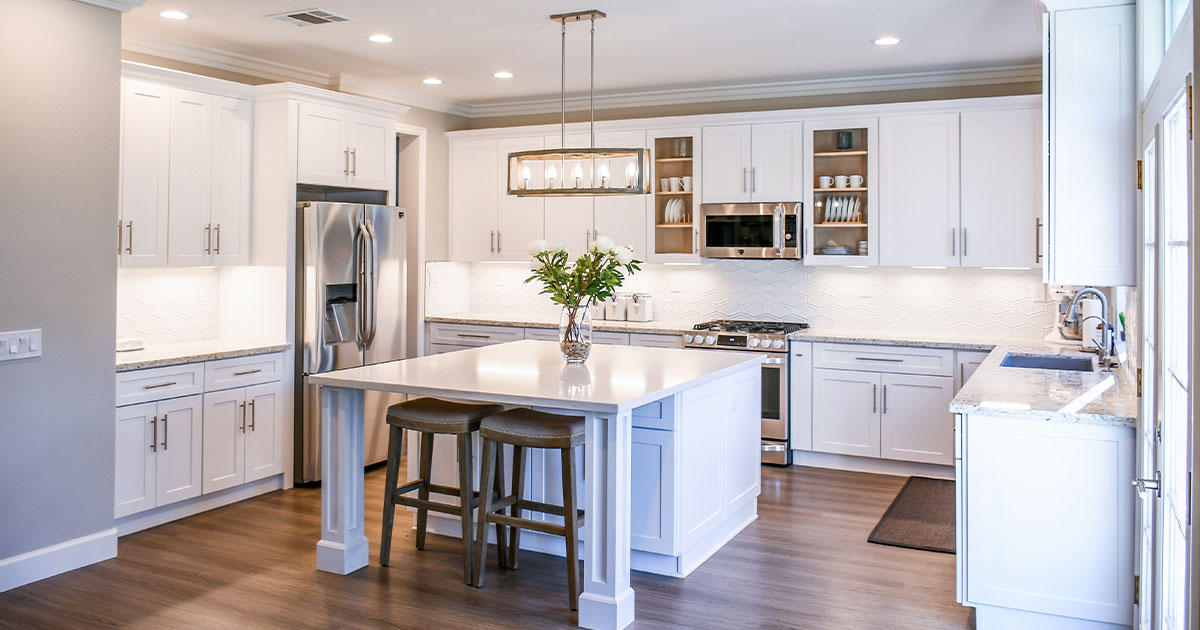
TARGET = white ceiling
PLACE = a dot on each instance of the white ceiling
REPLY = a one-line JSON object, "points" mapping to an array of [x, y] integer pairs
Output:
{"points": [[642, 45]]}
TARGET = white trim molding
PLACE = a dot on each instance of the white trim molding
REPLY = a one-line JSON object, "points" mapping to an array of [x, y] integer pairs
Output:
{"points": [[185, 80], [65, 556], [177, 50], [124, 6], [310, 94], [385, 91]]}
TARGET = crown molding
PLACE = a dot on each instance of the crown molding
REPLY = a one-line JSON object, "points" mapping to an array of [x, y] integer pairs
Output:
{"points": [[124, 6], [766, 90], [198, 54], [311, 94], [185, 80], [385, 91]]}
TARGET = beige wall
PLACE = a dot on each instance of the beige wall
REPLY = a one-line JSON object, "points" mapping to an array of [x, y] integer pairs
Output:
{"points": [[58, 269]]}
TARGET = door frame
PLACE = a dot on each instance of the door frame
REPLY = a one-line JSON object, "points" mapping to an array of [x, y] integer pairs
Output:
{"points": [[415, 308]]}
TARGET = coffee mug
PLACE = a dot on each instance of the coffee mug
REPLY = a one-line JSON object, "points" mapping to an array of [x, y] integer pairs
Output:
{"points": [[841, 181], [665, 183], [687, 183], [676, 184], [825, 181], [856, 181]]}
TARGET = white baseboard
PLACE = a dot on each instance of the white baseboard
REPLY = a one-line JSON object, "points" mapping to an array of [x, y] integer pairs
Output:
{"points": [[871, 465], [65, 556], [203, 503]]}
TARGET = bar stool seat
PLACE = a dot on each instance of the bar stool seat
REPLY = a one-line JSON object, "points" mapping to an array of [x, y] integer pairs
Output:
{"points": [[526, 428], [429, 417]]}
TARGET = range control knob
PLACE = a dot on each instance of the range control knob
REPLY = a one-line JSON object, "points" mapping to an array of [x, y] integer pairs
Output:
{"points": [[778, 343], [754, 342], [710, 340], [687, 338]]}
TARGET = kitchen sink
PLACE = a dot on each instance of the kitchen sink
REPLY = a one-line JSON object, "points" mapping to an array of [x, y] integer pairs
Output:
{"points": [[1048, 362]]}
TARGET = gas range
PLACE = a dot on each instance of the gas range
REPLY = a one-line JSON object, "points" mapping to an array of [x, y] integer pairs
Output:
{"points": [[732, 334]]}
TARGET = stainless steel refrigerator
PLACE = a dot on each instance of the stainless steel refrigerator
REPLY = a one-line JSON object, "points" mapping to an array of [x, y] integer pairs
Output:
{"points": [[350, 296]]}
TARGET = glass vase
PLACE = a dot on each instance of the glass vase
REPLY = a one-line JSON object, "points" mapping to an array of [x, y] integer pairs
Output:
{"points": [[575, 333]]}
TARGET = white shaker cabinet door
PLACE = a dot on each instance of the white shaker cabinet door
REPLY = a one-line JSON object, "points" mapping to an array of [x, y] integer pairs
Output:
{"points": [[915, 423], [371, 139], [725, 169], [778, 163], [264, 444], [224, 439], [137, 447], [322, 155], [473, 188], [179, 449], [189, 242], [519, 220], [968, 362], [1001, 187], [231, 181], [918, 175], [800, 400], [145, 164], [845, 412], [622, 218]]}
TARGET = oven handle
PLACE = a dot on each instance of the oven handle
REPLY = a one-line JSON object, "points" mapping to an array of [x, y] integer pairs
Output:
{"points": [[774, 361]]}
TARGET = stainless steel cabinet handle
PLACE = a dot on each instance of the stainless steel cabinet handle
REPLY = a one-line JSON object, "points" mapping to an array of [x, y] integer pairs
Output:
{"points": [[499, 248], [879, 359], [492, 241], [208, 239], [745, 177], [962, 375], [252, 414], [243, 405], [154, 436], [885, 399], [695, 240], [129, 243], [470, 336], [164, 442], [120, 236], [354, 161], [874, 398], [217, 249], [953, 241], [346, 155], [245, 372], [753, 180], [157, 385], [964, 241], [1037, 240]]}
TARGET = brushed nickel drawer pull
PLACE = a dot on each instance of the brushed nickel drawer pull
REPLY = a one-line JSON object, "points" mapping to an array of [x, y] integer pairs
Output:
{"points": [[879, 359], [252, 414], [245, 372], [474, 336], [157, 385], [154, 436], [164, 442], [243, 405]]}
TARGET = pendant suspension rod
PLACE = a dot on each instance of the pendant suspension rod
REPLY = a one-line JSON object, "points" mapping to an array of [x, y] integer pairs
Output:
{"points": [[592, 90], [563, 68]]}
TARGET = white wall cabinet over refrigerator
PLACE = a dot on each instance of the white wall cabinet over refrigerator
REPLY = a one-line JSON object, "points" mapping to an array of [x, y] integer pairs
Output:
{"points": [[748, 163], [341, 147], [1090, 210], [158, 450]]}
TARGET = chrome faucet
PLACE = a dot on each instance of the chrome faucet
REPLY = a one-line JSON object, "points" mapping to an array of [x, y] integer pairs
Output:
{"points": [[1103, 317]]}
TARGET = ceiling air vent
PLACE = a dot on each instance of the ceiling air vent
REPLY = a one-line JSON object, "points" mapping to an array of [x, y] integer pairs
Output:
{"points": [[309, 17]]}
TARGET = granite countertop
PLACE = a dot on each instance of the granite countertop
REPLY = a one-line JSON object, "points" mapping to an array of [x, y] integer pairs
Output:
{"points": [[1105, 398], [950, 341], [159, 355], [534, 321]]}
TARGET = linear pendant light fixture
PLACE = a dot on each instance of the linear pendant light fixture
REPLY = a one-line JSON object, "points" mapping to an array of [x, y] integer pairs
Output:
{"points": [[589, 172]]}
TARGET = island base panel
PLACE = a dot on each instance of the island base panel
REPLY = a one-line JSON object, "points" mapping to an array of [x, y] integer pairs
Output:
{"points": [[343, 546]]}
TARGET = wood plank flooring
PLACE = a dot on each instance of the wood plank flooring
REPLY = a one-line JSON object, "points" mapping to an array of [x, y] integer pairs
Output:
{"points": [[805, 563]]}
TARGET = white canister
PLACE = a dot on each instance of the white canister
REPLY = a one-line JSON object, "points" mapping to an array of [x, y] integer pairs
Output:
{"points": [[615, 307], [640, 308], [597, 310]]}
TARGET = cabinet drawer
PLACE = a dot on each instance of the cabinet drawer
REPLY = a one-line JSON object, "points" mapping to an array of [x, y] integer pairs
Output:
{"points": [[474, 335], [899, 360], [242, 371], [650, 340], [610, 338], [138, 386], [542, 334]]}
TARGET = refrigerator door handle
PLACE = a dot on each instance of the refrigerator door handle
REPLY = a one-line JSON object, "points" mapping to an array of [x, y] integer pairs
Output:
{"points": [[370, 247], [360, 289]]}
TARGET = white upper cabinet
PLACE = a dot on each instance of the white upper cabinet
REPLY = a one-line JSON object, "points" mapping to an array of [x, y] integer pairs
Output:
{"points": [[1091, 201], [474, 183], [340, 147], [622, 218], [725, 171], [190, 191], [919, 190], [778, 150], [569, 219], [231, 180], [1001, 187], [145, 163], [519, 220]]}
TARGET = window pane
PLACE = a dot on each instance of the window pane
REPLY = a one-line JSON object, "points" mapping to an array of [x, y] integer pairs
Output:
{"points": [[1176, 344], [1175, 172], [1175, 11]]}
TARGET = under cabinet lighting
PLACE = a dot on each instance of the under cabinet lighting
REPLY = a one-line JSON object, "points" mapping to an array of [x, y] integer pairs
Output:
{"points": [[1007, 268], [381, 38], [682, 264], [887, 40], [856, 266], [432, 81], [174, 15], [502, 75], [927, 267]]}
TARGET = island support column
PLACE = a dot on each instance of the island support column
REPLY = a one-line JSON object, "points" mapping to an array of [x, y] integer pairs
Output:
{"points": [[343, 546], [607, 599]]}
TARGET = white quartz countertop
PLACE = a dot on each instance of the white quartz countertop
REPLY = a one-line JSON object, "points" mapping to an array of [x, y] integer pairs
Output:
{"points": [[1056, 395], [159, 355], [533, 321], [614, 379]]}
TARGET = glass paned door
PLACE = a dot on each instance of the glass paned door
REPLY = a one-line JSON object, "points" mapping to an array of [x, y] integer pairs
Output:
{"points": [[1148, 506]]}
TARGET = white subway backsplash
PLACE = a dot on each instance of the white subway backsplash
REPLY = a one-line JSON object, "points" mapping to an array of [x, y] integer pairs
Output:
{"points": [[168, 305], [999, 302]]}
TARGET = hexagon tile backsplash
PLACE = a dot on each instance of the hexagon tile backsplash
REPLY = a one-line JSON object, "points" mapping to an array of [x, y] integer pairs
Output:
{"points": [[1004, 302], [168, 305]]}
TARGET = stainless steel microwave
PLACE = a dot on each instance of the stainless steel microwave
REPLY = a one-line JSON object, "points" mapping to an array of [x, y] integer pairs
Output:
{"points": [[751, 230]]}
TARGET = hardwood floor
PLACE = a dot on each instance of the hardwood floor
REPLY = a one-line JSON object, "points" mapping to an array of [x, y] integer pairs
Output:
{"points": [[805, 563]]}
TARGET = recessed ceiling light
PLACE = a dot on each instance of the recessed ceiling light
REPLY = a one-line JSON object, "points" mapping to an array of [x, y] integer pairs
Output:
{"points": [[887, 41], [381, 39], [503, 75], [174, 15], [432, 81]]}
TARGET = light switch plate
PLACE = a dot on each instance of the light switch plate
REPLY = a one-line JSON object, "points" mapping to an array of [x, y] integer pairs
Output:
{"points": [[20, 344]]}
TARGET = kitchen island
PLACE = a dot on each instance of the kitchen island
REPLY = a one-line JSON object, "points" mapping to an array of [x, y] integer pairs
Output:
{"points": [[708, 402]]}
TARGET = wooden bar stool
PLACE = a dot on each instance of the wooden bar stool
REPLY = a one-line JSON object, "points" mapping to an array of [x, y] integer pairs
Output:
{"points": [[526, 428], [433, 416]]}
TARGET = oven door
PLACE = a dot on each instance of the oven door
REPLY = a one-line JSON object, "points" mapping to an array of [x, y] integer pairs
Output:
{"points": [[774, 398], [749, 231]]}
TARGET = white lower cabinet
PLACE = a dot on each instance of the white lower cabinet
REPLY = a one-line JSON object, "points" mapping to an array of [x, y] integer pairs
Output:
{"points": [[242, 435], [158, 449], [846, 412], [915, 422], [968, 362]]}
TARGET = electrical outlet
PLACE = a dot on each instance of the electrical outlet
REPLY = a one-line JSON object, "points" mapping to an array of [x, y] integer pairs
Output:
{"points": [[20, 344]]}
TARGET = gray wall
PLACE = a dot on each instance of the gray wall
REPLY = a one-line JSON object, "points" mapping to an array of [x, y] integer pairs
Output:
{"points": [[58, 207]]}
